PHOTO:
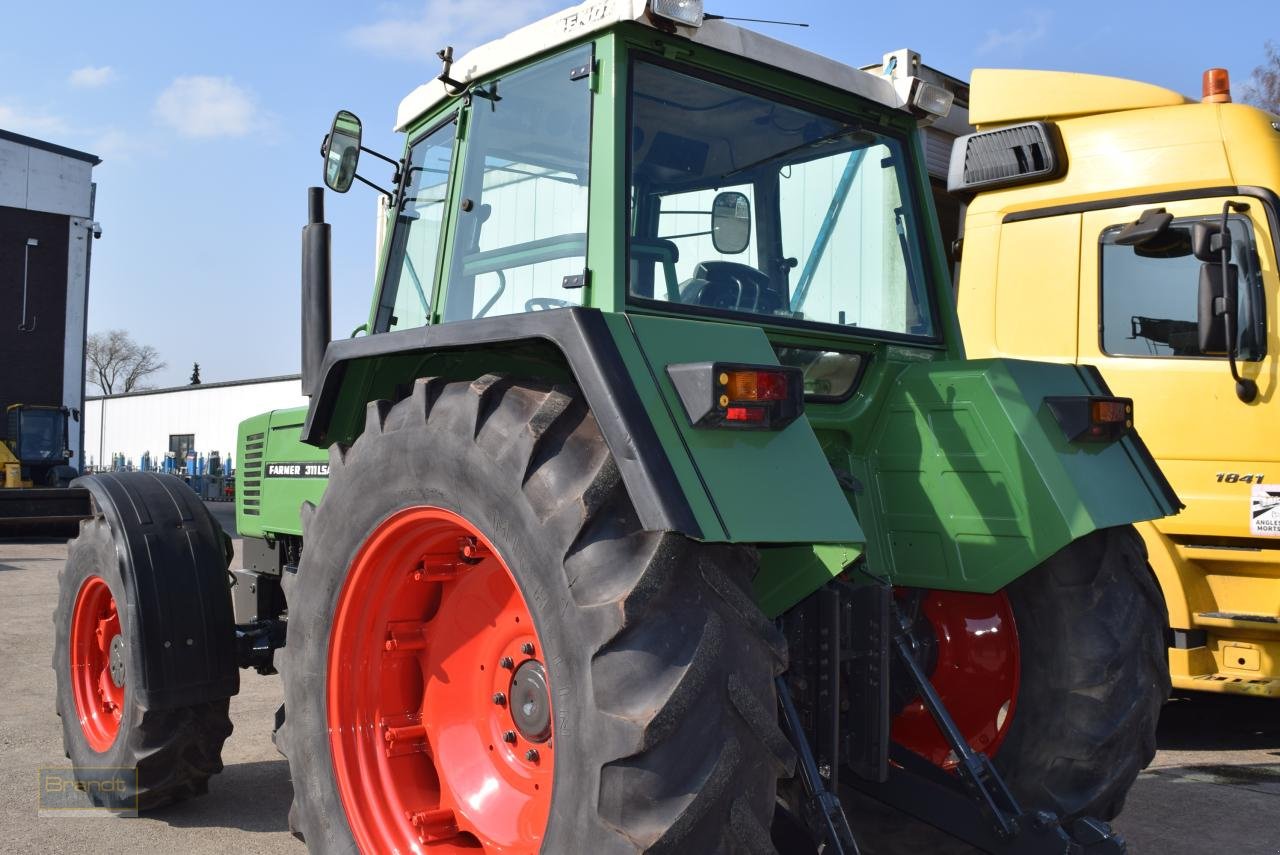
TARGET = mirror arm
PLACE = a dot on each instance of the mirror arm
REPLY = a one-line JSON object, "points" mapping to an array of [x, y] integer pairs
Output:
{"points": [[1246, 389], [364, 180]]}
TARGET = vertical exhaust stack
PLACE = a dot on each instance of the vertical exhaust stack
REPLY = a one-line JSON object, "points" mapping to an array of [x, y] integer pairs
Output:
{"points": [[316, 288]]}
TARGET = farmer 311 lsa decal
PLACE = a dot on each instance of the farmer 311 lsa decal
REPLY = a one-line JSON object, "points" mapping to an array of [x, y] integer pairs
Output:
{"points": [[663, 509]]}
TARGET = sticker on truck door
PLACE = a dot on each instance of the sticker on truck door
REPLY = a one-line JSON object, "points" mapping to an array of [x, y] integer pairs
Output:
{"points": [[1264, 510]]}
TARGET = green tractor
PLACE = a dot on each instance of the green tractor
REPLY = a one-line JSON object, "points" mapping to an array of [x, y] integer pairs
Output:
{"points": [[657, 508]]}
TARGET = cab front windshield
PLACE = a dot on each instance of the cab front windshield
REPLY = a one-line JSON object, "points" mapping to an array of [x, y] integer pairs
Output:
{"points": [[835, 236]]}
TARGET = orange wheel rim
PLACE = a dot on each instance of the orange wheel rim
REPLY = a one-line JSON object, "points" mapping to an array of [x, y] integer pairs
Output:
{"points": [[977, 675], [439, 704], [97, 663]]}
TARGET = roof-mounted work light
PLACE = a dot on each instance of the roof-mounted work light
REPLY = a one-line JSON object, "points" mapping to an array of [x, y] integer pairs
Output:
{"points": [[686, 12], [932, 99]]}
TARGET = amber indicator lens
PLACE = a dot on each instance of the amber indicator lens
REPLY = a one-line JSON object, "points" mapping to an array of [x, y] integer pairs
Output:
{"points": [[755, 385], [1111, 412]]}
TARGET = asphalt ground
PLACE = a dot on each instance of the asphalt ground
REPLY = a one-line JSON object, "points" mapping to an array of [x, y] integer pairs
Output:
{"points": [[1214, 786]]}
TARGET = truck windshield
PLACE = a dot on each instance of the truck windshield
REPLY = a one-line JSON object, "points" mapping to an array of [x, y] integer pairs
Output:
{"points": [[835, 237]]}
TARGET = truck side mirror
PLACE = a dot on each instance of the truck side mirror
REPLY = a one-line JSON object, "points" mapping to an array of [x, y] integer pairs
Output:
{"points": [[1216, 299], [730, 222], [1207, 243], [341, 151], [1150, 225]]}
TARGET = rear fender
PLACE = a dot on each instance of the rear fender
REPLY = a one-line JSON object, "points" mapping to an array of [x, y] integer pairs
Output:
{"points": [[715, 485], [973, 481]]}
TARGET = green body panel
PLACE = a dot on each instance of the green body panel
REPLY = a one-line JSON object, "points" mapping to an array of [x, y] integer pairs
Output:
{"points": [[972, 481], [265, 505], [766, 486]]}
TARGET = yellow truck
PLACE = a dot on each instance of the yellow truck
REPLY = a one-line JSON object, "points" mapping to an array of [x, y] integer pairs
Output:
{"points": [[1128, 228]]}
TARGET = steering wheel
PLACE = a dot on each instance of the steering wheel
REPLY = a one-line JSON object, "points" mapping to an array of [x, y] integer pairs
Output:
{"points": [[542, 304], [739, 287]]}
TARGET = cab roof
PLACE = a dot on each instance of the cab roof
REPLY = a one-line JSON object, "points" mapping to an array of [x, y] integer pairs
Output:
{"points": [[596, 15], [1000, 96]]}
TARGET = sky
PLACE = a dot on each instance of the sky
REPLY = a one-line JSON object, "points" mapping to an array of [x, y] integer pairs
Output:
{"points": [[209, 118]]}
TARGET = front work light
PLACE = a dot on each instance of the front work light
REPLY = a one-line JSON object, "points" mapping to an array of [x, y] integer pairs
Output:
{"points": [[731, 395], [686, 12], [1092, 419], [932, 99]]}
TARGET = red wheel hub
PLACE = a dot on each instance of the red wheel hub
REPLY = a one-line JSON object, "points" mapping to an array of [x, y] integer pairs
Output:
{"points": [[977, 674], [439, 700], [97, 663]]}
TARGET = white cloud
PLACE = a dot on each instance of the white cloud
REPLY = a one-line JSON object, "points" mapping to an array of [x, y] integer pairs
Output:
{"points": [[1014, 42], [205, 107], [92, 77], [418, 34], [31, 123]]}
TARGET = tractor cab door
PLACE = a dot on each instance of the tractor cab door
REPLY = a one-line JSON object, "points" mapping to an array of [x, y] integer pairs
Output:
{"points": [[1138, 324]]}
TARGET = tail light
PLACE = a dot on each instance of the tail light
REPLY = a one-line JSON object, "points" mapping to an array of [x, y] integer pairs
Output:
{"points": [[1092, 419], [751, 397]]}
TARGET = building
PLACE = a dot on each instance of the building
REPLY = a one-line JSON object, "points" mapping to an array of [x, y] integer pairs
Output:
{"points": [[46, 230], [201, 418]]}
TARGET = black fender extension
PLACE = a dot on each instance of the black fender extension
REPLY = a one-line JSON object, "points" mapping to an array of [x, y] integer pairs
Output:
{"points": [[173, 558]]}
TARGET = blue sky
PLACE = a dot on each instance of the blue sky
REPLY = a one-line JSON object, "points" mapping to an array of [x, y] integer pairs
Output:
{"points": [[209, 119]]}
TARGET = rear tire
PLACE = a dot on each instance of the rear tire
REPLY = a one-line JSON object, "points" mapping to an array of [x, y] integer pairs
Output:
{"points": [[1095, 675], [174, 751], [660, 668]]}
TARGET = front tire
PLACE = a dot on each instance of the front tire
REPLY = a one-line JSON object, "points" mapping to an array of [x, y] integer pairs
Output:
{"points": [[656, 667]]}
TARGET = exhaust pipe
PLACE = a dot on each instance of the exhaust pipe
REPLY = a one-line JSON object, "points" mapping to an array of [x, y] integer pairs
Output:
{"points": [[316, 289]]}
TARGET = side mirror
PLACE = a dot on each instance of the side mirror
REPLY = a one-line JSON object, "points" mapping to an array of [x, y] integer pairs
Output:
{"points": [[342, 151], [1217, 298], [1150, 225], [730, 222], [1207, 243]]}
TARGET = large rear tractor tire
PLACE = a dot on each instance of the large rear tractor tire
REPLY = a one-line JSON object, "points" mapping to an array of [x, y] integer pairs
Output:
{"points": [[487, 653], [1060, 677], [105, 723]]}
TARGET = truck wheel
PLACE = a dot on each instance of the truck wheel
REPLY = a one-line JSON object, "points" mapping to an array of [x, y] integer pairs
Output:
{"points": [[486, 651], [97, 650], [1060, 677]]}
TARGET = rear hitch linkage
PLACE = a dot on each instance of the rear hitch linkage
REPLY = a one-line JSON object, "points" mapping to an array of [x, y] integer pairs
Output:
{"points": [[946, 801]]}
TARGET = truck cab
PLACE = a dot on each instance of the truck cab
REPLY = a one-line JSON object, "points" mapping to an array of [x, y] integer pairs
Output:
{"points": [[1091, 202]]}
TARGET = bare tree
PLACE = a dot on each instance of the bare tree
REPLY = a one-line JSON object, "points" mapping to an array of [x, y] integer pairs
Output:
{"points": [[1263, 88], [114, 362]]}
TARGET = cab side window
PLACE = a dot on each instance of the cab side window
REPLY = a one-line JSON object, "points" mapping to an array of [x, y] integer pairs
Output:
{"points": [[1150, 292], [520, 239]]}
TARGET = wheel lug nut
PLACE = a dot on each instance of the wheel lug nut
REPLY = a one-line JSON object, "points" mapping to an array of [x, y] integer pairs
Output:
{"points": [[509, 736], [499, 699], [526, 649], [507, 662], [531, 755]]}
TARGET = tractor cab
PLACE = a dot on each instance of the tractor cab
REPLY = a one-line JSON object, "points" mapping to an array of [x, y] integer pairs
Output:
{"points": [[37, 446]]}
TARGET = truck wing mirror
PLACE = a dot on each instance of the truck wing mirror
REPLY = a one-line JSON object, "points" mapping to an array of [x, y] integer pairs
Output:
{"points": [[341, 151], [1150, 225], [730, 222], [1207, 243], [1216, 300]]}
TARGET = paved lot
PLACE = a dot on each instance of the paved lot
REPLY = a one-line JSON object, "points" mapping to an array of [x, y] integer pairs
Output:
{"points": [[1214, 787]]}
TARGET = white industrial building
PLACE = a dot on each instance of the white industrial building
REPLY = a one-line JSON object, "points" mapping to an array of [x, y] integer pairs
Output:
{"points": [[202, 418]]}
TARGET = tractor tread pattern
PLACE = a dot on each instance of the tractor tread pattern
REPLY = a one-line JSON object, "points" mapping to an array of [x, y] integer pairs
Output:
{"points": [[175, 751], [681, 753]]}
